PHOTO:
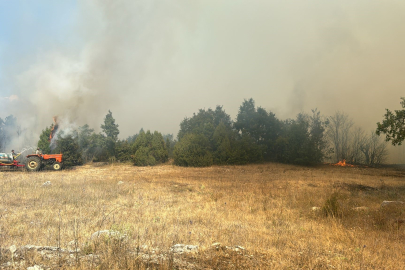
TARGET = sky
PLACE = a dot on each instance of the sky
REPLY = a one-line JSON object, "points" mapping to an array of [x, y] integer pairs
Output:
{"points": [[153, 63]]}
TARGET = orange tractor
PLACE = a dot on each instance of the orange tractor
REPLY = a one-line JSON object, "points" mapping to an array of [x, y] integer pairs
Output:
{"points": [[37, 161], [34, 162]]}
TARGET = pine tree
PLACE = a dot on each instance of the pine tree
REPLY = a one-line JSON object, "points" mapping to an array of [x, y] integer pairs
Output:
{"points": [[111, 131]]}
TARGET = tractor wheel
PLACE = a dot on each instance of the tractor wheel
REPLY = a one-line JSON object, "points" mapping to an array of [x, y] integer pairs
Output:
{"points": [[57, 166], [33, 164]]}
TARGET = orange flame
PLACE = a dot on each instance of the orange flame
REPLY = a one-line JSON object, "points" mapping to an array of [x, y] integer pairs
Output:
{"points": [[54, 128], [343, 163]]}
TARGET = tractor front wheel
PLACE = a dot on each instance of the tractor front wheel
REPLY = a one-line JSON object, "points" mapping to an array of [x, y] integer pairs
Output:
{"points": [[33, 164], [57, 166]]}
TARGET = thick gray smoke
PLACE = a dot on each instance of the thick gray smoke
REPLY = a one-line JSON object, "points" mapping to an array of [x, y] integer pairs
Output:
{"points": [[152, 63]]}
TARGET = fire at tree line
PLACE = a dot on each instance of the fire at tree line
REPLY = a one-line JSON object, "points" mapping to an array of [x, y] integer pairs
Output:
{"points": [[211, 137]]}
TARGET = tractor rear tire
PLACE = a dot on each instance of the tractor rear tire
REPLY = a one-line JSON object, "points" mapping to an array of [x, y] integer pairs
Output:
{"points": [[57, 166], [33, 164]]}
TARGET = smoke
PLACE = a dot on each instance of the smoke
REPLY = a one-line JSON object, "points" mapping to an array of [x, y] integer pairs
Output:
{"points": [[152, 63]]}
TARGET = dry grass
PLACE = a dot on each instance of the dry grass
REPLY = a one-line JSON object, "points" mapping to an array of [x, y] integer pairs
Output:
{"points": [[264, 208]]}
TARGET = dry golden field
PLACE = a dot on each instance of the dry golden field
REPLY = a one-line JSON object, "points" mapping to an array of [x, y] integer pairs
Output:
{"points": [[267, 209]]}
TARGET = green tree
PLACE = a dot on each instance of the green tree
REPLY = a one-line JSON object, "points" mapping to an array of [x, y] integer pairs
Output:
{"points": [[262, 126], [111, 131], [43, 142], [69, 146], [170, 143], [245, 151], [318, 144], [204, 123], [393, 125], [84, 140], [123, 151], [96, 149], [193, 151], [149, 149], [209, 128], [223, 137]]}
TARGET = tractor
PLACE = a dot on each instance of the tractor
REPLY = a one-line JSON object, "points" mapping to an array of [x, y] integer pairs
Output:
{"points": [[34, 162], [37, 161]]}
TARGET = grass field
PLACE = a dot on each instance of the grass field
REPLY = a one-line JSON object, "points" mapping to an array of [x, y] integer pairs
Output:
{"points": [[267, 209]]}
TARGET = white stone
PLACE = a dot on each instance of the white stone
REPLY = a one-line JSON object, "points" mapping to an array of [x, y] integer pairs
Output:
{"points": [[13, 249], [107, 233], [35, 267], [360, 208], [181, 248], [47, 183], [386, 203]]}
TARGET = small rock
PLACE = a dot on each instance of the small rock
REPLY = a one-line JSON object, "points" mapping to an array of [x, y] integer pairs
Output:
{"points": [[35, 267], [181, 248], [360, 208], [108, 233], [47, 183], [120, 183], [386, 203], [236, 248], [216, 245], [72, 245], [13, 249]]}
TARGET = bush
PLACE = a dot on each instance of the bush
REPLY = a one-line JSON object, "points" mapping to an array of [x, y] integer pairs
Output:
{"points": [[193, 151], [69, 147], [150, 149], [332, 206], [123, 151]]}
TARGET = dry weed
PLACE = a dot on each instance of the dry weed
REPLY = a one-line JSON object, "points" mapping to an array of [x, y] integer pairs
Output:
{"points": [[264, 208]]}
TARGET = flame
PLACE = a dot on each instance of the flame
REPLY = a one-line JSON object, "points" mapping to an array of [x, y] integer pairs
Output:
{"points": [[54, 128], [343, 163]]}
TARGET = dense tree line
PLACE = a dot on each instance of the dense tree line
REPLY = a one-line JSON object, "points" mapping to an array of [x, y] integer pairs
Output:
{"points": [[211, 137], [84, 145]]}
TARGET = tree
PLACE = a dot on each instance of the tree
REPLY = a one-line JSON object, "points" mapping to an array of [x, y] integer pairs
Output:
{"points": [[204, 123], [222, 144], [170, 143], [393, 125], [84, 140], [375, 151], [69, 146], [193, 151], [150, 149], [317, 142], [339, 132], [111, 131], [262, 126], [123, 151], [203, 130], [43, 142]]}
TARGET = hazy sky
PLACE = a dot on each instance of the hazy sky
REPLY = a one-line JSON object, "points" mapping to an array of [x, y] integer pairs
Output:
{"points": [[152, 63]]}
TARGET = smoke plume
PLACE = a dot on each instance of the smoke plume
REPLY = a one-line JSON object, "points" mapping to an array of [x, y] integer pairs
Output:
{"points": [[152, 63]]}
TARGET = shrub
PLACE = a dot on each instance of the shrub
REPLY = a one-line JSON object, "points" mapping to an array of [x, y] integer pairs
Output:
{"points": [[150, 149], [332, 206], [193, 151]]}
